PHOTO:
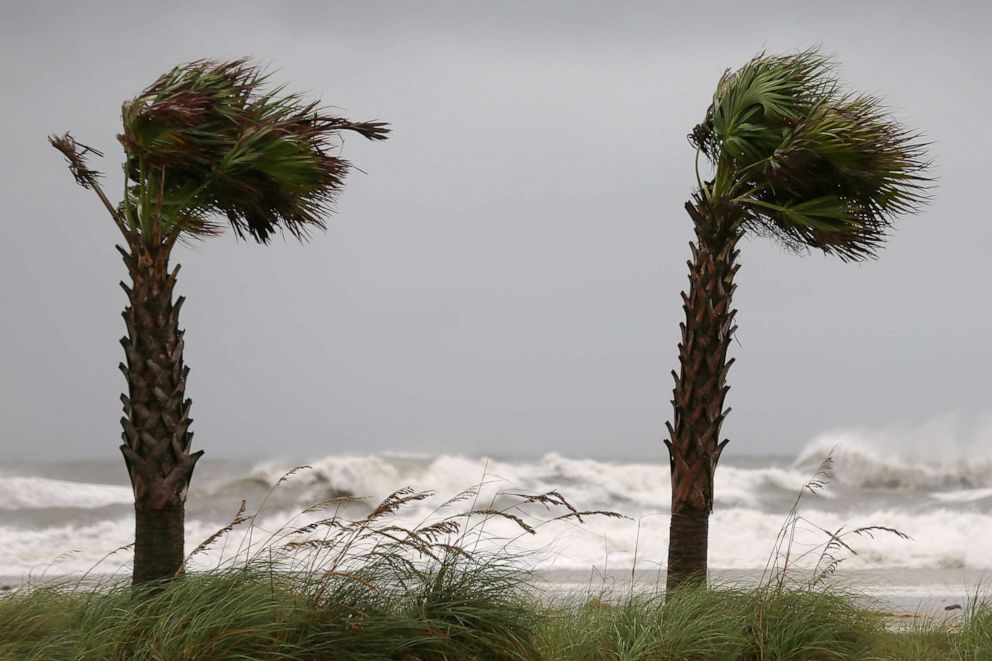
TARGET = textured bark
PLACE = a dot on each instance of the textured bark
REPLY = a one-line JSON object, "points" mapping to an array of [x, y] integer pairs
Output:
{"points": [[159, 541], [687, 557], [156, 418], [694, 444]]}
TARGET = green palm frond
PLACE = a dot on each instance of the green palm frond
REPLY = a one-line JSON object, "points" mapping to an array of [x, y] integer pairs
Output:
{"points": [[208, 139], [807, 162]]}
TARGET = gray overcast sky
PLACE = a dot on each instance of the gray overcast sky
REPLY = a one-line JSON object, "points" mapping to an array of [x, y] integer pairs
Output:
{"points": [[505, 274]]}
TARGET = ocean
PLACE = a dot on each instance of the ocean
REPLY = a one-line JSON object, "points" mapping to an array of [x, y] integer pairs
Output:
{"points": [[64, 518]]}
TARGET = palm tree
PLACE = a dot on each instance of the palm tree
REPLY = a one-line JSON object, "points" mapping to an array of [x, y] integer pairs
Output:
{"points": [[798, 159], [205, 140]]}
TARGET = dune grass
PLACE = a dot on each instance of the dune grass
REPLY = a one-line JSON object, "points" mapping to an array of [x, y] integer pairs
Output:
{"points": [[463, 615], [243, 614], [722, 623]]}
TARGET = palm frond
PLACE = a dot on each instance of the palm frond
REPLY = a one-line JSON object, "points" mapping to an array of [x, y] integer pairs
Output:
{"points": [[208, 139], [808, 162], [75, 155]]}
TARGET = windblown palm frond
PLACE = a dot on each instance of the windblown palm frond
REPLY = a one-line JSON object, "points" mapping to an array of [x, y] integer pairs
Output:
{"points": [[207, 138], [807, 162]]}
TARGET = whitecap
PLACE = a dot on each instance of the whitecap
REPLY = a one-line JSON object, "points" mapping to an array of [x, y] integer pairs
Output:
{"points": [[18, 493], [962, 496]]}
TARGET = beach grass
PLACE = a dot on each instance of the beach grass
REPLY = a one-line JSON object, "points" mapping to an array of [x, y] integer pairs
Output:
{"points": [[468, 615], [244, 614]]}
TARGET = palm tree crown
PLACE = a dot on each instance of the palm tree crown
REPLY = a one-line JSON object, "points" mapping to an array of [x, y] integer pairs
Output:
{"points": [[207, 138], [806, 162]]}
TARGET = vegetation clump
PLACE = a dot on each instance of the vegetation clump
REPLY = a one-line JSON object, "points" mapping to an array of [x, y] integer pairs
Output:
{"points": [[462, 613]]}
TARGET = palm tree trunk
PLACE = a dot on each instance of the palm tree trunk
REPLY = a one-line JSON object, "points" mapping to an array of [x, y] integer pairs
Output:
{"points": [[700, 388], [156, 414]]}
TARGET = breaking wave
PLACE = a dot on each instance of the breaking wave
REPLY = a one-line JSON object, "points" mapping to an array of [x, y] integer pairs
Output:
{"points": [[943, 453], [932, 481], [20, 493]]}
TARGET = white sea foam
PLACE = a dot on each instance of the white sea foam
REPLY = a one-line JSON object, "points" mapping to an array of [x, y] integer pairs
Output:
{"points": [[741, 538], [69, 549], [17, 493], [588, 482], [932, 482], [962, 496], [952, 451]]}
